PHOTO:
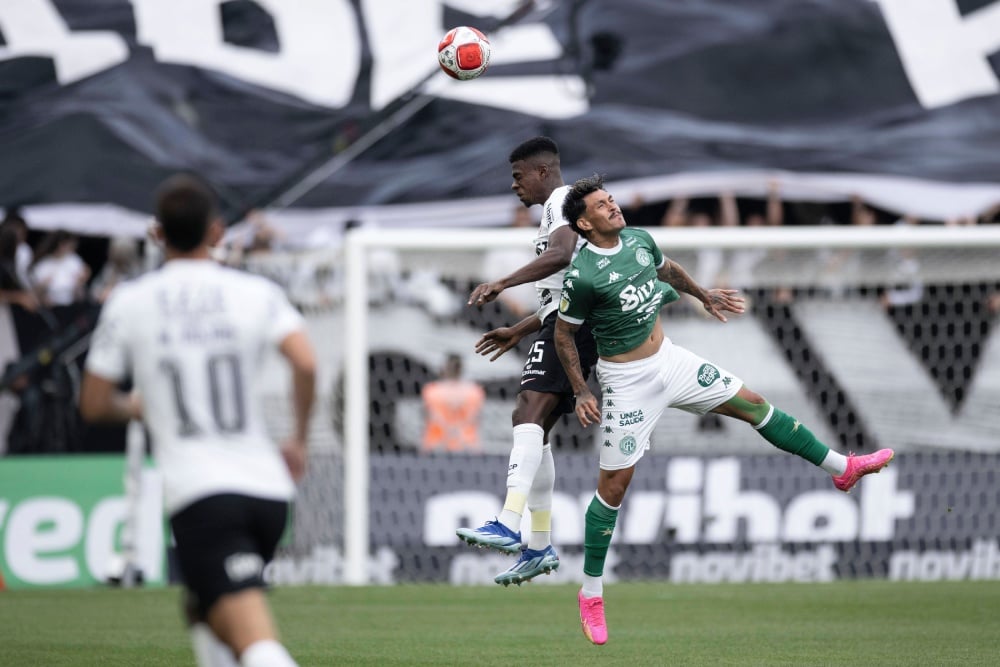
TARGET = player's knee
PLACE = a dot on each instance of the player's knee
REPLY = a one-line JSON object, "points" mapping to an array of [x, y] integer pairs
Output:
{"points": [[531, 408], [612, 489], [757, 406], [747, 405]]}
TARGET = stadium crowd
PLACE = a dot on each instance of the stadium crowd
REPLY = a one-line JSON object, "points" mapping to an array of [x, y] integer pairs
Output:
{"points": [[52, 284]]}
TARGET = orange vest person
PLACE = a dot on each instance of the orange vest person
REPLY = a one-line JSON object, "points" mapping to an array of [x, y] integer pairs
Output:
{"points": [[452, 408]]}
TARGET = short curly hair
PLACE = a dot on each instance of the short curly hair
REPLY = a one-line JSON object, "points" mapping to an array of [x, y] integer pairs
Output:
{"points": [[573, 206]]}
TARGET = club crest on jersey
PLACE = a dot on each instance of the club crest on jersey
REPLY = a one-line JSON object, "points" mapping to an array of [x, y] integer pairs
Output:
{"points": [[643, 257], [627, 444], [707, 374]]}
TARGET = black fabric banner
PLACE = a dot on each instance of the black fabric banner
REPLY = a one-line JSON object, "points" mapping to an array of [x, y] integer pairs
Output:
{"points": [[100, 99]]}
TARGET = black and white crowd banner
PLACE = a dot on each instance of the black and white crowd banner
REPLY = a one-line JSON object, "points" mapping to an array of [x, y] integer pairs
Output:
{"points": [[894, 100]]}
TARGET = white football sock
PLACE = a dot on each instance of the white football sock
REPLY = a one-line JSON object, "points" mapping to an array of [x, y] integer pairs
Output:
{"points": [[266, 653], [593, 587], [208, 650], [540, 501], [834, 463], [525, 457]]}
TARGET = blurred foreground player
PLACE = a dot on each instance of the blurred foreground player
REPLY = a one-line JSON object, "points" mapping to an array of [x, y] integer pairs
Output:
{"points": [[191, 336]]}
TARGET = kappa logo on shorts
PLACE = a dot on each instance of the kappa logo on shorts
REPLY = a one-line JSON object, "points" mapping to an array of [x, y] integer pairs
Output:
{"points": [[627, 445], [707, 374], [243, 566]]}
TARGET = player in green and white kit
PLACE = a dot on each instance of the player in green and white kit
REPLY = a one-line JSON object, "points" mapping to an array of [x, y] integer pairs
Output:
{"points": [[617, 284]]}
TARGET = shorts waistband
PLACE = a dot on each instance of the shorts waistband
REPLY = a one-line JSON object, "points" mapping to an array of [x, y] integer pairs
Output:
{"points": [[638, 363]]}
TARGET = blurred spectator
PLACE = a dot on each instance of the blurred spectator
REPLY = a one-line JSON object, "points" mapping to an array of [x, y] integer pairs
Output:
{"points": [[522, 299], [907, 287], [58, 273], [682, 212], [13, 289], [837, 265], [123, 264], [452, 408], [264, 237], [744, 262], [25, 254], [384, 272]]}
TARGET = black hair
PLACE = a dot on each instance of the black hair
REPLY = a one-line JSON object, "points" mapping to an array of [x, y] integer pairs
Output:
{"points": [[573, 206], [13, 216], [185, 206], [533, 147], [9, 241]]}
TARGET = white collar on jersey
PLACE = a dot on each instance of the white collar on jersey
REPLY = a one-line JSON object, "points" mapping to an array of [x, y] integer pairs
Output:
{"points": [[605, 251]]}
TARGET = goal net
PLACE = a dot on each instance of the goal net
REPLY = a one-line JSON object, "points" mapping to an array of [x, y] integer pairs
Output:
{"points": [[873, 337]]}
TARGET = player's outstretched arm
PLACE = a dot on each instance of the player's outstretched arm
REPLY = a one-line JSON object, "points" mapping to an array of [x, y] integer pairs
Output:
{"points": [[501, 339], [557, 256], [716, 301], [586, 403], [297, 349]]}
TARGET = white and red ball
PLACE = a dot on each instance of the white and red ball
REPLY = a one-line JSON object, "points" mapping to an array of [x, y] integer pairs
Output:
{"points": [[464, 53]]}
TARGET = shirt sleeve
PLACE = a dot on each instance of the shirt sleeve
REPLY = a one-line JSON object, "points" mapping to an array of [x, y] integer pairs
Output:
{"points": [[283, 318], [576, 298], [109, 356]]}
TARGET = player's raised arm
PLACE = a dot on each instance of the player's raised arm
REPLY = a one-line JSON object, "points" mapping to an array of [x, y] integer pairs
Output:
{"points": [[586, 403], [716, 301], [558, 254]]}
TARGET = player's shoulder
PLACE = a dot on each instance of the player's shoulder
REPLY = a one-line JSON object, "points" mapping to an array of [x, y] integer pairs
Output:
{"points": [[639, 233], [553, 205], [246, 280], [580, 270]]}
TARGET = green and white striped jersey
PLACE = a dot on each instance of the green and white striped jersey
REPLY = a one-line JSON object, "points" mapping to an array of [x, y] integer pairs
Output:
{"points": [[616, 290]]}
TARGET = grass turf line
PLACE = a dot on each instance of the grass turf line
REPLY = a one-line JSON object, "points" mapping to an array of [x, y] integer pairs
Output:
{"points": [[655, 623]]}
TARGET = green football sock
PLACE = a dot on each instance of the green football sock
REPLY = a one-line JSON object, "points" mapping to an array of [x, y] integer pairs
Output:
{"points": [[600, 526], [785, 432]]}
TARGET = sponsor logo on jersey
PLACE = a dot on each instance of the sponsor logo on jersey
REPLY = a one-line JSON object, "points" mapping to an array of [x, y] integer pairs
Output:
{"points": [[627, 445], [643, 257], [633, 296], [614, 276], [707, 374], [602, 262], [574, 272]]}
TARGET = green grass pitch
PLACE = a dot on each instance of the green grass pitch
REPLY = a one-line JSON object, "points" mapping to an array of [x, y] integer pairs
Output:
{"points": [[848, 623]]}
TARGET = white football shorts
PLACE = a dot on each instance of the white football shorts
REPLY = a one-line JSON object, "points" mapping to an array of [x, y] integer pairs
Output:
{"points": [[636, 393]]}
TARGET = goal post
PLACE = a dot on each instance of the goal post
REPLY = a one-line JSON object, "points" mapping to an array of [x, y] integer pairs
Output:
{"points": [[956, 254]]}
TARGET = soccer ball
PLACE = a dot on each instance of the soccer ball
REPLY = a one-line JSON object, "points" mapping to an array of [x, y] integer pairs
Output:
{"points": [[464, 53]]}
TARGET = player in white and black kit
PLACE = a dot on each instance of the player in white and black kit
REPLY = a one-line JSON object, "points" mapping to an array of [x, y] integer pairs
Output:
{"points": [[191, 336], [618, 283], [545, 393]]}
